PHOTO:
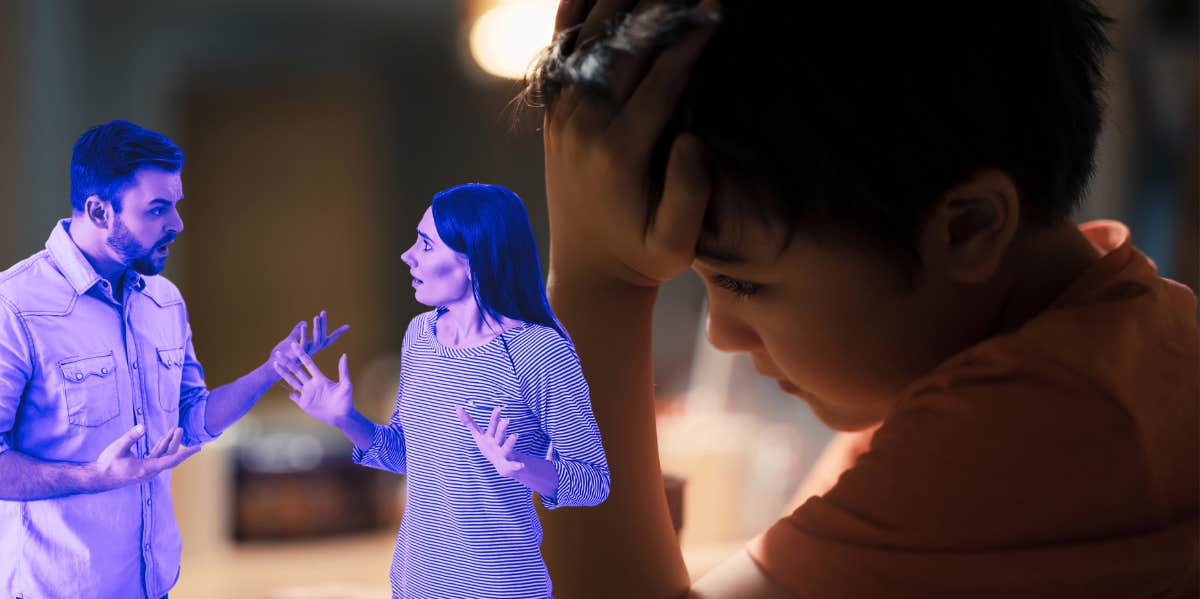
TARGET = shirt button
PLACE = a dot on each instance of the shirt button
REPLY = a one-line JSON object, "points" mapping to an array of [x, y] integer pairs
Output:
{"points": [[147, 501], [78, 376], [139, 411], [147, 546], [135, 365], [104, 370]]}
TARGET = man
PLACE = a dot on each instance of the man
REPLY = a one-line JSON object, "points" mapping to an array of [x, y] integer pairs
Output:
{"points": [[101, 394]]}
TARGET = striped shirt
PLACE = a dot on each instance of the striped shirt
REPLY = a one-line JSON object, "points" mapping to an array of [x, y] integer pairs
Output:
{"points": [[467, 531]]}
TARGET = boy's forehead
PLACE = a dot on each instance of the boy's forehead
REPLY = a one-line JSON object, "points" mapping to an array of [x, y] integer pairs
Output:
{"points": [[738, 228]]}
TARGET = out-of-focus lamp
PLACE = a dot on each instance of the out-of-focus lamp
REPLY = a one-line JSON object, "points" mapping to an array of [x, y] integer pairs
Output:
{"points": [[506, 34]]}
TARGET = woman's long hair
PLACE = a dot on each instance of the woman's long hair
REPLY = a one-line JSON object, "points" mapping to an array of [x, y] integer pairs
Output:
{"points": [[489, 225]]}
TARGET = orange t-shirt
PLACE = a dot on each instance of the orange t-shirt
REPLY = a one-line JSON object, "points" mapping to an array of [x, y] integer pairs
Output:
{"points": [[1060, 460]]}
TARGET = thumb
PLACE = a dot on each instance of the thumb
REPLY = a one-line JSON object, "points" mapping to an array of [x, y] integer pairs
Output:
{"points": [[125, 441], [343, 370]]}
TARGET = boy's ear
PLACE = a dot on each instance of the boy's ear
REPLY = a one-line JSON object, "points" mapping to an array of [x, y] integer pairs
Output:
{"points": [[97, 211], [972, 227]]}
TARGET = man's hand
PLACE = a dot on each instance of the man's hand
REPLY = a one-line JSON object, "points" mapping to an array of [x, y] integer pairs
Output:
{"points": [[320, 339], [598, 172], [331, 402], [492, 444], [117, 466]]}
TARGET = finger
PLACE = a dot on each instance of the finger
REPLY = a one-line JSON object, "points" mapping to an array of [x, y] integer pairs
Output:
{"points": [[501, 428], [343, 369], [308, 363], [467, 420], [492, 424], [287, 376], [303, 338], [175, 459], [599, 16], [509, 443], [126, 440], [570, 13], [176, 440], [160, 447], [676, 223], [295, 397], [335, 334], [643, 117], [318, 334]]}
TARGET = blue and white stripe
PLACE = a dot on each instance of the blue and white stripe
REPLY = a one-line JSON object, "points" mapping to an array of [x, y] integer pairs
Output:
{"points": [[467, 531]]}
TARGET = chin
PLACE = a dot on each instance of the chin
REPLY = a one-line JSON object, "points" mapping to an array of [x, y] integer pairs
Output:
{"points": [[843, 422]]}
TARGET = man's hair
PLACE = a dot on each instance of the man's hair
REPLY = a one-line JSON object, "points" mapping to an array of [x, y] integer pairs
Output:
{"points": [[107, 157], [859, 118]]}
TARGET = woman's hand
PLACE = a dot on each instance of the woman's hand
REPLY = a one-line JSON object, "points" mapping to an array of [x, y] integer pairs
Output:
{"points": [[597, 169], [321, 339], [492, 444], [331, 402]]}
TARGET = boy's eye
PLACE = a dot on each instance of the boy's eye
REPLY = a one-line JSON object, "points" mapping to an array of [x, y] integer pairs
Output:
{"points": [[740, 288], [158, 211], [427, 247]]}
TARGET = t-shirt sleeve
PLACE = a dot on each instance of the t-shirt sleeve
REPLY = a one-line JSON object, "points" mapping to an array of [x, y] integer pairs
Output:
{"points": [[990, 488]]}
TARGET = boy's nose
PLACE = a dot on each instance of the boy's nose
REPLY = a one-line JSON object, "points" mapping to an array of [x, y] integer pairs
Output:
{"points": [[730, 335]]}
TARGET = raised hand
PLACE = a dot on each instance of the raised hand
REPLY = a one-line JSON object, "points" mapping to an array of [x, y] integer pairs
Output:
{"points": [[118, 466], [331, 402], [598, 165], [321, 339], [492, 444]]}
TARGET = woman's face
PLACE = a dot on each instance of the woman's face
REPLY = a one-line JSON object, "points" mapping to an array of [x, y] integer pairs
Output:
{"points": [[441, 276]]}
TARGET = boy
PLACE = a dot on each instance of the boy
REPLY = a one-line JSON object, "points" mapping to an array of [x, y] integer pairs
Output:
{"points": [[878, 200]]}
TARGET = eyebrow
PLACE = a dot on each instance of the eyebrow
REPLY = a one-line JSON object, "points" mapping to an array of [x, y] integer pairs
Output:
{"points": [[161, 201], [710, 252], [423, 236]]}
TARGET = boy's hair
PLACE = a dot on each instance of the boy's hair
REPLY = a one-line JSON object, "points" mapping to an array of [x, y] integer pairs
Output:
{"points": [[107, 157], [858, 119]]}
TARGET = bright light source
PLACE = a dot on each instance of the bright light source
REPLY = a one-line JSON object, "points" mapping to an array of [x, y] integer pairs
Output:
{"points": [[505, 38]]}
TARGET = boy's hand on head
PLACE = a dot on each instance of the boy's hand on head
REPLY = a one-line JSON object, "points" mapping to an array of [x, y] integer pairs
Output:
{"points": [[598, 153]]}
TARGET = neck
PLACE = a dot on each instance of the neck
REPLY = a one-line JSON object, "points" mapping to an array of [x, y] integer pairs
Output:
{"points": [[464, 321], [1037, 281], [97, 253]]}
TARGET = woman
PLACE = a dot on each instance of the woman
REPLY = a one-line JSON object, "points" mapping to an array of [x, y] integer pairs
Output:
{"points": [[488, 381]]}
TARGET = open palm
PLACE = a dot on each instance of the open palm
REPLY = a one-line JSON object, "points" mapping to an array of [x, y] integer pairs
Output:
{"points": [[492, 444], [326, 400]]}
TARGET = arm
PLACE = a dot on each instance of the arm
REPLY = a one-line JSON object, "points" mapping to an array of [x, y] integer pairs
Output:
{"points": [[606, 262], [226, 404], [332, 402], [558, 395], [28, 479]]}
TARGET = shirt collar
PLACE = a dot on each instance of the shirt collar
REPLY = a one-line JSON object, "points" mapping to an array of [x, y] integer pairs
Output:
{"points": [[75, 266]]}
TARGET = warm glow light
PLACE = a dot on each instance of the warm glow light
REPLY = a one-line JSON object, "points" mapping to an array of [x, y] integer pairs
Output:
{"points": [[505, 38]]}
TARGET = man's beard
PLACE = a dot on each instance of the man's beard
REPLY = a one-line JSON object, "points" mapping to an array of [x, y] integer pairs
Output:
{"points": [[133, 254]]}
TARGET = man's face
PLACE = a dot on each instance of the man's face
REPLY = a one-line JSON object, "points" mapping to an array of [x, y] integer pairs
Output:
{"points": [[148, 221], [838, 326], [440, 274]]}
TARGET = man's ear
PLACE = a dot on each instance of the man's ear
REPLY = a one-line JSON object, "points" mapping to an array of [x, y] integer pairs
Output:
{"points": [[972, 227], [98, 211]]}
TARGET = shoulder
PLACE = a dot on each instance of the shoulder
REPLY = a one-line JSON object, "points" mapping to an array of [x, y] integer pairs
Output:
{"points": [[35, 285], [162, 291], [991, 457], [541, 347]]}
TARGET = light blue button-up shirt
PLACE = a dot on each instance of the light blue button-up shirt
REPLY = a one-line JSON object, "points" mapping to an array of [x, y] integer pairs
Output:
{"points": [[78, 369]]}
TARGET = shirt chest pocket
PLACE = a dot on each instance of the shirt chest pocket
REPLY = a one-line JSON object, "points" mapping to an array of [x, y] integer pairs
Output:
{"points": [[90, 389], [170, 374]]}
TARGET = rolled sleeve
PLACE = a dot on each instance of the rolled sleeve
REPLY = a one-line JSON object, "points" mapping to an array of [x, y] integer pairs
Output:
{"points": [[16, 368], [387, 450], [193, 398]]}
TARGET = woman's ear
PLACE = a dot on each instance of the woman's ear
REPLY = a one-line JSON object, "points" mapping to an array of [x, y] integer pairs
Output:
{"points": [[972, 227]]}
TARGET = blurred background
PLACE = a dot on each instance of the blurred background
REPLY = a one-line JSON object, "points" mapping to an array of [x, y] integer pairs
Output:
{"points": [[316, 133]]}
